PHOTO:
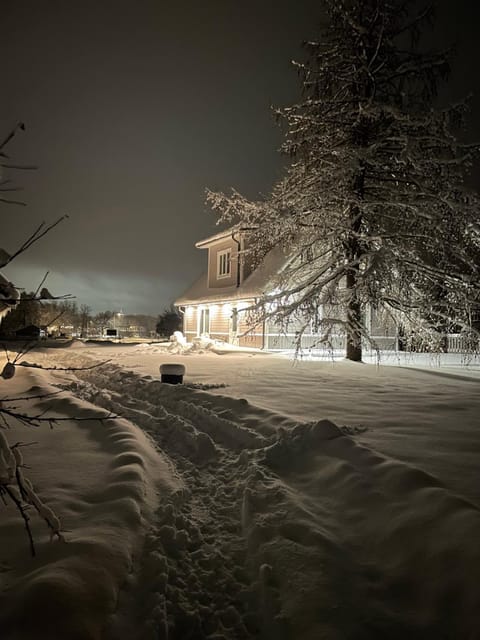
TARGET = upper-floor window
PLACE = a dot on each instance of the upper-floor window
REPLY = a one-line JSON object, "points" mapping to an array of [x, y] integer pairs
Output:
{"points": [[224, 263]]}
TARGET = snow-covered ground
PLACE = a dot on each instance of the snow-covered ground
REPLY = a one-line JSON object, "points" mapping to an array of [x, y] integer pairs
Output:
{"points": [[261, 499]]}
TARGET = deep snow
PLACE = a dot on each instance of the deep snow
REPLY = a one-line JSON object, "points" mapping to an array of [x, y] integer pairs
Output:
{"points": [[261, 499]]}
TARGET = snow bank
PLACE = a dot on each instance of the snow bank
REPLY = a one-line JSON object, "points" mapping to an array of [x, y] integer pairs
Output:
{"points": [[100, 479]]}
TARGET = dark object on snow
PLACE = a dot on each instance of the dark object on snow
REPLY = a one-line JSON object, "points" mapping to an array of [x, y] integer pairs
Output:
{"points": [[8, 371], [172, 373]]}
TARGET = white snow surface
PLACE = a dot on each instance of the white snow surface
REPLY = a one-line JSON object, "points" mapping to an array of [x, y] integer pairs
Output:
{"points": [[262, 498]]}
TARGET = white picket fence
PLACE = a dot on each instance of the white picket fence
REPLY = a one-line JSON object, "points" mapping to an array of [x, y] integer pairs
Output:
{"points": [[455, 343]]}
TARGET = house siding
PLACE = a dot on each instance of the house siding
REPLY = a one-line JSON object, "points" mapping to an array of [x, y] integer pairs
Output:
{"points": [[220, 321], [190, 322], [220, 316], [246, 260], [249, 336], [219, 283]]}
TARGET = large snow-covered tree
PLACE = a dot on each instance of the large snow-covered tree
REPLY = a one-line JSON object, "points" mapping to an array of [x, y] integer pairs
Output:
{"points": [[372, 210]]}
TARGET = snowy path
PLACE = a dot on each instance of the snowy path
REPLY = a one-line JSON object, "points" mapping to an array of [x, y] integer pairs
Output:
{"points": [[195, 563]]}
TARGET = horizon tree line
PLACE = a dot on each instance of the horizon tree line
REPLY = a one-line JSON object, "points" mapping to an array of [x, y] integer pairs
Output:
{"points": [[69, 317]]}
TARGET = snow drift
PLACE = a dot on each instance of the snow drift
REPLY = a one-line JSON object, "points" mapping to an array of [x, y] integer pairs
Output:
{"points": [[202, 515]]}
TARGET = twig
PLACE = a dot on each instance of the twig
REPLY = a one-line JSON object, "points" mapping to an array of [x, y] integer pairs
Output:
{"points": [[36, 420], [39, 232], [40, 285], [39, 366], [21, 508], [39, 397], [65, 296], [12, 134]]}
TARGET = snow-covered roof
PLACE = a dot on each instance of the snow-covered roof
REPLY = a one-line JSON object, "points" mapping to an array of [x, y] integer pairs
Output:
{"points": [[256, 284], [226, 233]]}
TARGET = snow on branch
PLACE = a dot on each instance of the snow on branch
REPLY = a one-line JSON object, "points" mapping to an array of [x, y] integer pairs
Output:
{"points": [[14, 485]]}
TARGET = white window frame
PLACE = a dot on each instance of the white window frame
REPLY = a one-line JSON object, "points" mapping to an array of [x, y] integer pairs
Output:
{"points": [[224, 263]]}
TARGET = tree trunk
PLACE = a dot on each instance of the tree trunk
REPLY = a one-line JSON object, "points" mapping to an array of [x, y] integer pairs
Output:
{"points": [[352, 254], [354, 319]]}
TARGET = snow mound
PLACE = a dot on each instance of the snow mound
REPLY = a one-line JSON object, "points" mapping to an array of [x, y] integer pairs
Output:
{"points": [[101, 479]]}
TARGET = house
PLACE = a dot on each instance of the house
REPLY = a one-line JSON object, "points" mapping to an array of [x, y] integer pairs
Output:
{"points": [[217, 303]]}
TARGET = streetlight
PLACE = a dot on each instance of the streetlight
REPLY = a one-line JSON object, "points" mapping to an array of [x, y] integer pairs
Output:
{"points": [[116, 321]]}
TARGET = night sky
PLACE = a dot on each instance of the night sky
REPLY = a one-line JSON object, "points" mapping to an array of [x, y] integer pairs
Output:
{"points": [[134, 108]]}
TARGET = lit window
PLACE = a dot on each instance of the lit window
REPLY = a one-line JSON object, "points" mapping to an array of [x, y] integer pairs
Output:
{"points": [[234, 320], [224, 263], [204, 321]]}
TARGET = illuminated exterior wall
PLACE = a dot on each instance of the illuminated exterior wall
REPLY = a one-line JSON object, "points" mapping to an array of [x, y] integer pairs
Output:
{"points": [[250, 335], [222, 323], [190, 322]]}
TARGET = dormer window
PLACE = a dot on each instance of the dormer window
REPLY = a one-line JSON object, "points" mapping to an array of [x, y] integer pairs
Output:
{"points": [[224, 263]]}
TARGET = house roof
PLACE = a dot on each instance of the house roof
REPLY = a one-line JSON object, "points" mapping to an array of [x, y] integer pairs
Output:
{"points": [[226, 233], [257, 283]]}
